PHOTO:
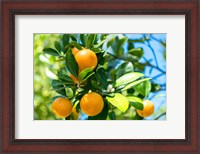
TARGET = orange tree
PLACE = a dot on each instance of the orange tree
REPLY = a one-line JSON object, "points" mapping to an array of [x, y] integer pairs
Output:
{"points": [[99, 82]]}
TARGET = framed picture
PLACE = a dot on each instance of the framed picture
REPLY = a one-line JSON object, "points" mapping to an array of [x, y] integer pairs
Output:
{"points": [[116, 76]]}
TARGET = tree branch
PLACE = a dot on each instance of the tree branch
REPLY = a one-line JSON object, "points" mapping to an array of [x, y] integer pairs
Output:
{"points": [[160, 116]]}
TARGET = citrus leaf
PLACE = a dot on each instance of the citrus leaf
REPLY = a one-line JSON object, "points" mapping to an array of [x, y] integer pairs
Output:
{"points": [[65, 39], [75, 44], [73, 37], [90, 40], [65, 78], [71, 63], [99, 44], [51, 51], [135, 102], [85, 72], [124, 68], [83, 39], [59, 88], [143, 88], [112, 115], [110, 42], [127, 78], [101, 76], [119, 101], [131, 85], [120, 44], [57, 45], [138, 52], [87, 76], [69, 93], [97, 50]]}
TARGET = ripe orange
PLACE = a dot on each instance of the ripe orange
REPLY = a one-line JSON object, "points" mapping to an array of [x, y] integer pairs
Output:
{"points": [[147, 110], [92, 104], [75, 50], [85, 58], [62, 107]]}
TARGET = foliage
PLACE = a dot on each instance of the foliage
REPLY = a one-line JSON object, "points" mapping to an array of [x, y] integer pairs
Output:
{"points": [[119, 76]]}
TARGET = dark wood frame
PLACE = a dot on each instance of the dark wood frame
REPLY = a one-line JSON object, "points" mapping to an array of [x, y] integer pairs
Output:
{"points": [[9, 9]]}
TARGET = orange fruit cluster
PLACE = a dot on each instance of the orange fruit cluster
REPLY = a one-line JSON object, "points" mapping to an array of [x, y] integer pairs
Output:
{"points": [[91, 104]]}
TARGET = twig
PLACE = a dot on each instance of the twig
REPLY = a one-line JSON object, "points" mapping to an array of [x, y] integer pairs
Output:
{"points": [[157, 76], [159, 69], [160, 116], [164, 44], [149, 64]]}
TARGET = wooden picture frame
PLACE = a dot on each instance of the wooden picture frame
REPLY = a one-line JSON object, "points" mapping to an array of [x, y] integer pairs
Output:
{"points": [[189, 8]]}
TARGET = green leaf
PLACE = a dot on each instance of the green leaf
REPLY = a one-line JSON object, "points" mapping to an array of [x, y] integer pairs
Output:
{"points": [[90, 40], [124, 68], [104, 36], [69, 93], [137, 117], [110, 42], [85, 72], [101, 76], [99, 44], [65, 78], [59, 88], [130, 45], [57, 45], [143, 88], [67, 47], [83, 39], [120, 44], [102, 115], [59, 84], [75, 44], [71, 63], [65, 39], [119, 101], [127, 78], [138, 52], [73, 37], [139, 66], [112, 115], [135, 102], [134, 83], [97, 50], [155, 87], [51, 51]]}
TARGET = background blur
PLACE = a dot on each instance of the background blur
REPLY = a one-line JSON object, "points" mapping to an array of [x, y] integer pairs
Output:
{"points": [[152, 64]]}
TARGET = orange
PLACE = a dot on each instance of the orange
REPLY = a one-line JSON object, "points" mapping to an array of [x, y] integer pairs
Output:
{"points": [[62, 107], [86, 58], [92, 104], [75, 50], [147, 110]]}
